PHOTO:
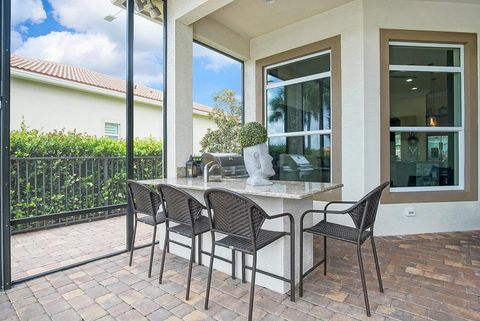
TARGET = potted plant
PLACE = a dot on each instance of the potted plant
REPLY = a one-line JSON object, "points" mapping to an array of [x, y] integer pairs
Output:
{"points": [[252, 137]]}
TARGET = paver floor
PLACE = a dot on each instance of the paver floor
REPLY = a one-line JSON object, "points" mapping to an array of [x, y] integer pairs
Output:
{"points": [[426, 277], [40, 251]]}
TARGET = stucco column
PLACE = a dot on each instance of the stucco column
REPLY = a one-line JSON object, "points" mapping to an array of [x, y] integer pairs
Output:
{"points": [[179, 91], [252, 111]]}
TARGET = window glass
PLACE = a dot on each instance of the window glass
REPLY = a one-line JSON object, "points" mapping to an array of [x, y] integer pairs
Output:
{"points": [[424, 159], [112, 130], [424, 56], [299, 107], [302, 158], [302, 68], [425, 98], [298, 119], [426, 129]]}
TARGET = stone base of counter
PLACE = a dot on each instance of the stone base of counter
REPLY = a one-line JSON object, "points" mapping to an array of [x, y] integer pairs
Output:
{"points": [[274, 258]]}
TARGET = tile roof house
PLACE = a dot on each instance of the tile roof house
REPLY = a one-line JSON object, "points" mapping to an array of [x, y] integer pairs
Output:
{"points": [[83, 91]]}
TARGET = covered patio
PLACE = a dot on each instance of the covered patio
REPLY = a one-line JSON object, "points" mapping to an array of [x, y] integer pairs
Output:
{"points": [[372, 122], [426, 277]]}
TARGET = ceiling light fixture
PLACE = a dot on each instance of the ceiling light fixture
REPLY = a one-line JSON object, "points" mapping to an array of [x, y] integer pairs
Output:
{"points": [[112, 17], [414, 88], [152, 10], [409, 80], [139, 5]]}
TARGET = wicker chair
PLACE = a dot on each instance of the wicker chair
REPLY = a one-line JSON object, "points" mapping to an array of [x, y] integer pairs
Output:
{"points": [[240, 219], [184, 210], [146, 202], [363, 214]]}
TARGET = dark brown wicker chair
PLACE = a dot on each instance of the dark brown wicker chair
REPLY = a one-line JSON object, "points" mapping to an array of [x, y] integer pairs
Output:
{"points": [[241, 220], [363, 214], [186, 211], [147, 202]]}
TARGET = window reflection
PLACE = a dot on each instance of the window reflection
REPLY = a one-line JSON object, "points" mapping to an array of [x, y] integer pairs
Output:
{"points": [[309, 66], [302, 158], [430, 99], [299, 107], [424, 159], [424, 56]]}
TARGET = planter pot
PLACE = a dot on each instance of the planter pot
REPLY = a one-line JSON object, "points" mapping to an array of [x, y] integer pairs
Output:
{"points": [[258, 164]]}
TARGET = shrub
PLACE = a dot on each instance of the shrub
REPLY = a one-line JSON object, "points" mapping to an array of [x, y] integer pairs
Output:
{"points": [[252, 134], [65, 170]]}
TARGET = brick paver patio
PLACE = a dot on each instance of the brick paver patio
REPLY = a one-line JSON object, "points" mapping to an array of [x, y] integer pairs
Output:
{"points": [[426, 277], [40, 251]]}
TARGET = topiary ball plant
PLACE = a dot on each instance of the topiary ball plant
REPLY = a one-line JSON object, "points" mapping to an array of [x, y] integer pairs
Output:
{"points": [[252, 134]]}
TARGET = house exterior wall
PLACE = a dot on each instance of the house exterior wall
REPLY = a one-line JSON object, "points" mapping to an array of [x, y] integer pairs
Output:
{"points": [[48, 107], [359, 23]]}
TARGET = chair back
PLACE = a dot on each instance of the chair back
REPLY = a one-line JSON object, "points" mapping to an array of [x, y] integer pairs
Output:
{"points": [[364, 212], [144, 200], [179, 206], [234, 214]]}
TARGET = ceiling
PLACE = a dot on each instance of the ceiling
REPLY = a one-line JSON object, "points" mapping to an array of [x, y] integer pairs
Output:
{"points": [[252, 18]]}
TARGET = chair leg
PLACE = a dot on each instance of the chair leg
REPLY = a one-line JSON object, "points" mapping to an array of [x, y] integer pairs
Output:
{"points": [[300, 266], [377, 266], [362, 275], [243, 268], [190, 265], [200, 249], [292, 267], [209, 279], [168, 235], [252, 287], [152, 250], [233, 265], [324, 255], [133, 242], [165, 246]]}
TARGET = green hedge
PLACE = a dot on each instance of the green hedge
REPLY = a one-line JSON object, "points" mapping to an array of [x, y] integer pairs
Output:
{"points": [[65, 170]]}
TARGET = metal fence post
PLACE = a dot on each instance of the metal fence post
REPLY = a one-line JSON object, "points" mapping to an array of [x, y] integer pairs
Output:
{"points": [[5, 259]]}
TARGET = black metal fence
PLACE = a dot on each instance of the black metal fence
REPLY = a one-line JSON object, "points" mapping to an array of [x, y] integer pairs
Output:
{"points": [[51, 191]]}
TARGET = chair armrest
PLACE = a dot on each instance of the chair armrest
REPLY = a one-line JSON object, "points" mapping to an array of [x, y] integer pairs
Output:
{"points": [[290, 217], [338, 202], [272, 217], [324, 212]]}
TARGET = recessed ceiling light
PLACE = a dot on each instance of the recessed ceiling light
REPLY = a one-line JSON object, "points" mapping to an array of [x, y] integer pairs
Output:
{"points": [[409, 80], [414, 88]]}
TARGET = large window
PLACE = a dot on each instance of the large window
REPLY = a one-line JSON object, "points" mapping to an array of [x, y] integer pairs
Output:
{"points": [[298, 117], [426, 116], [429, 114]]}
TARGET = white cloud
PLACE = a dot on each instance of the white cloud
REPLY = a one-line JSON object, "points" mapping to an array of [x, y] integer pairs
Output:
{"points": [[27, 10], [15, 40], [92, 51], [97, 44], [213, 60]]}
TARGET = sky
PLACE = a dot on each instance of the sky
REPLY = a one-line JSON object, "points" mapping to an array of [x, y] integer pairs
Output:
{"points": [[75, 32]]}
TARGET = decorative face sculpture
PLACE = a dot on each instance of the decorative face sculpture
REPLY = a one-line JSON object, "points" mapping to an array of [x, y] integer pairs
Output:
{"points": [[259, 164]]}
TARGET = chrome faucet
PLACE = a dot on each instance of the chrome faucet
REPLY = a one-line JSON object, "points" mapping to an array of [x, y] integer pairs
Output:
{"points": [[207, 170]]}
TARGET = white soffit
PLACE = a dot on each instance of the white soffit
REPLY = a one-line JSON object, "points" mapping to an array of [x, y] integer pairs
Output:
{"points": [[252, 18]]}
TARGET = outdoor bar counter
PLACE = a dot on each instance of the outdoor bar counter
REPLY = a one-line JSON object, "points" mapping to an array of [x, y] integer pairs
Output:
{"points": [[281, 197]]}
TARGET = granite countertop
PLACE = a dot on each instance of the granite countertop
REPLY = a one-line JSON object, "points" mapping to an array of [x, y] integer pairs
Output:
{"points": [[279, 189]]}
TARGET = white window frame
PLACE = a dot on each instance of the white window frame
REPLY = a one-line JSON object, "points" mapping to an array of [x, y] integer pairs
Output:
{"points": [[293, 81], [460, 130], [117, 137]]}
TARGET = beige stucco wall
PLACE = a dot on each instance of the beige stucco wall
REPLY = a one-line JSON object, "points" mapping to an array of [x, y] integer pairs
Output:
{"points": [[358, 23], [47, 107]]}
